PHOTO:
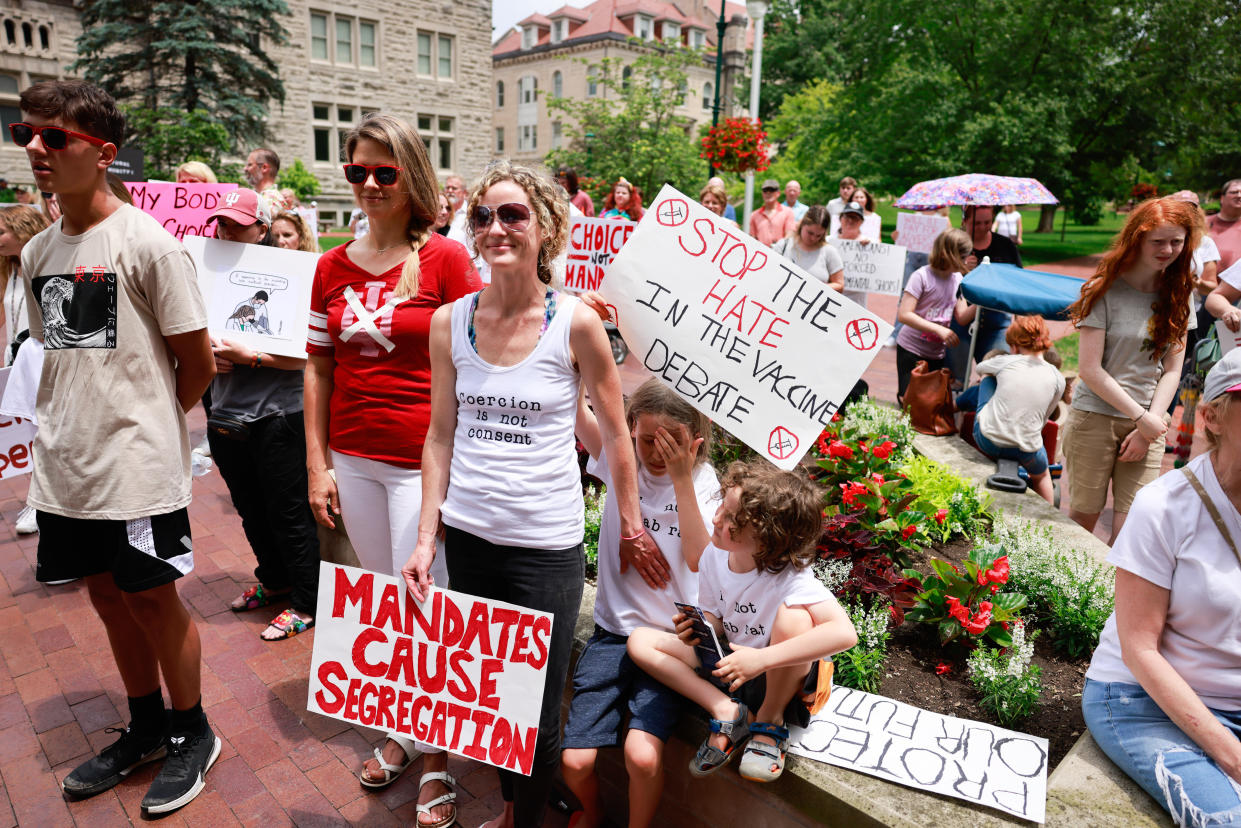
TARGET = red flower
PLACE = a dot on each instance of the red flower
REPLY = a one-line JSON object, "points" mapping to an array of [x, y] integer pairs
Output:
{"points": [[908, 532], [997, 574], [850, 491], [941, 516], [839, 450], [883, 450], [837, 417], [958, 610], [942, 669], [877, 477], [995, 588]]}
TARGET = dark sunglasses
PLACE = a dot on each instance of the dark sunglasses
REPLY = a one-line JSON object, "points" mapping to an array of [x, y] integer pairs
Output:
{"points": [[771, 189], [54, 138], [385, 174], [514, 217]]}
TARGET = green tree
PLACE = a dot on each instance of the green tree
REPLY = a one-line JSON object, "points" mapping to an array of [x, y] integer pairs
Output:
{"points": [[301, 180], [187, 55], [632, 129], [169, 137]]}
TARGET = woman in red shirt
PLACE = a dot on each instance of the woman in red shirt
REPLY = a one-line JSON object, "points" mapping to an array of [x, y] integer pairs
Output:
{"points": [[368, 381]]}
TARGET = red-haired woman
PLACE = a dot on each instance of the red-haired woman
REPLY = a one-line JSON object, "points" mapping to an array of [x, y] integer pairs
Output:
{"points": [[1017, 394], [624, 202], [1133, 315]]}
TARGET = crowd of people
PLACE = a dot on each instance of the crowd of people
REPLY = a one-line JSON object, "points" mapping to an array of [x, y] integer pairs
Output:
{"points": [[438, 320]]}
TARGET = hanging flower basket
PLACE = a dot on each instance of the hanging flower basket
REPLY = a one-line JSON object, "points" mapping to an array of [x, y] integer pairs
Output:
{"points": [[737, 145]]}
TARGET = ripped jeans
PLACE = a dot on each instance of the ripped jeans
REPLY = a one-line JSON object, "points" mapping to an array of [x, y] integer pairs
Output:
{"points": [[1135, 733]]}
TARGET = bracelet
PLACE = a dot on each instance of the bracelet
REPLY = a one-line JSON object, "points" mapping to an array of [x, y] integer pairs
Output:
{"points": [[635, 537], [256, 361]]}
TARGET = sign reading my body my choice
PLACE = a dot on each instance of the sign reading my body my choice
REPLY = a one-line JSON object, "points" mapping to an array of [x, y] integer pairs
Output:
{"points": [[183, 209], [745, 336]]}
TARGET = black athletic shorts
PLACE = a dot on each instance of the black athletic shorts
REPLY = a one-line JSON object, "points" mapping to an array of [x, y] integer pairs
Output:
{"points": [[141, 554]]}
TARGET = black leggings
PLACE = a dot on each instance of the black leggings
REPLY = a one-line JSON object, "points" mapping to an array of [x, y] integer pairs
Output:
{"points": [[543, 579]]}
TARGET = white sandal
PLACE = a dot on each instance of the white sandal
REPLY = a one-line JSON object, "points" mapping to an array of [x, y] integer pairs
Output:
{"points": [[391, 772], [444, 799]]}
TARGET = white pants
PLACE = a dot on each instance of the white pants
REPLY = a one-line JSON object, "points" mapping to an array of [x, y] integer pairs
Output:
{"points": [[380, 504]]}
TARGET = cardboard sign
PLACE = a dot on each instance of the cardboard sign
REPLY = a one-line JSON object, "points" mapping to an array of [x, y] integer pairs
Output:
{"points": [[917, 232], [462, 673], [969, 760], [1227, 339], [593, 243], [255, 294], [872, 268], [183, 209], [745, 336], [16, 440]]}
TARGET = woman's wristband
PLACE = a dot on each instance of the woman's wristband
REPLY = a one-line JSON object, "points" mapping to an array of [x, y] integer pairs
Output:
{"points": [[634, 537]]}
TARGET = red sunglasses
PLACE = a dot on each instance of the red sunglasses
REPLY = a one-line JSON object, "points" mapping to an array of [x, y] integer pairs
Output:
{"points": [[54, 137]]}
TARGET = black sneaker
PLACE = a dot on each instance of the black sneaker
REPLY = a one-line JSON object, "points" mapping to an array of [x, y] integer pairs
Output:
{"points": [[114, 763], [190, 756]]}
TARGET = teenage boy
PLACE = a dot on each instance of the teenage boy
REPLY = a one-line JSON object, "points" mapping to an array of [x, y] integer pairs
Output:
{"points": [[114, 297]]}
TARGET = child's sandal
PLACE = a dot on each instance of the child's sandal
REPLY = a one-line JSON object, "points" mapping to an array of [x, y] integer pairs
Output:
{"points": [[762, 762], [709, 758], [290, 624]]}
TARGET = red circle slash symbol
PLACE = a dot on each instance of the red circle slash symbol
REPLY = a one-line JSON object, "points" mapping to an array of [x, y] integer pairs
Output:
{"points": [[862, 334], [781, 443], [672, 213]]}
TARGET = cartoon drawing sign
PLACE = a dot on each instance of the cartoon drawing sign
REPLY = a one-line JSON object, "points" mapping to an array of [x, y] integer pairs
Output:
{"points": [[744, 335], [462, 673], [254, 294], [183, 209], [969, 760], [593, 242]]}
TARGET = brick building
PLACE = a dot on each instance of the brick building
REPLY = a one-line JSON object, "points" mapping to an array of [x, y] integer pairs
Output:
{"points": [[424, 60], [555, 55]]}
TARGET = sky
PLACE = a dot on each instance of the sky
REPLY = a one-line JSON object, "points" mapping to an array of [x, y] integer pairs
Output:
{"points": [[506, 13]]}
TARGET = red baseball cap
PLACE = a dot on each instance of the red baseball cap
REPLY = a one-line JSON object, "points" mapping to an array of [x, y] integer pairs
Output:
{"points": [[243, 206]]}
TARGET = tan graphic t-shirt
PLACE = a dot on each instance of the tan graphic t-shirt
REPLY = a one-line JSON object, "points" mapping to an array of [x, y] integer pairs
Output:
{"points": [[112, 442]]}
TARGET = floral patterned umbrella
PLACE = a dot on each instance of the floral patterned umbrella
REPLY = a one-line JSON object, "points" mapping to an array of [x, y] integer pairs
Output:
{"points": [[975, 188]]}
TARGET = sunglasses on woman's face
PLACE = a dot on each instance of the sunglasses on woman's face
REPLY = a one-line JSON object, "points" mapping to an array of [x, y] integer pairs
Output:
{"points": [[385, 174], [54, 138], [514, 217]]}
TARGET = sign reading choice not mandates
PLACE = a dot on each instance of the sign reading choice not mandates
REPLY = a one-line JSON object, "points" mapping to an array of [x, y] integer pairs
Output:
{"points": [[462, 673], [593, 243], [873, 268], [748, 338]]}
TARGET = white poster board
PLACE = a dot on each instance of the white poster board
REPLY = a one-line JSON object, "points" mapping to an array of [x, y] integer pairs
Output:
{"points": [[969, 760], [310, 215], [462, 673], [255, 294], [872, 227], [745, 336], [16, 440], [1227, 339], [872, 268], [593, 243], [917, 232]]}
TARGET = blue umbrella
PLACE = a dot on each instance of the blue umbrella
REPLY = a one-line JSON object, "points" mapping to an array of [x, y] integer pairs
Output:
{"points": [[1012, 289]]}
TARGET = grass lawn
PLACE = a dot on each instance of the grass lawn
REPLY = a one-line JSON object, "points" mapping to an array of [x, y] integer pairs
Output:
{"points": [[1038, 248], [1067, 348], [326, 243]]}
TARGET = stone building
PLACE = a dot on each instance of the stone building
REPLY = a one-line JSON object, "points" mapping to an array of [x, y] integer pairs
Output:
{"points": [[427, 61], [556, 54]]}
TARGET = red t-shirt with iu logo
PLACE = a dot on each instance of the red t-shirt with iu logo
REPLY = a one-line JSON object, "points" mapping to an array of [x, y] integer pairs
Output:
{"points": [[381, 399]]}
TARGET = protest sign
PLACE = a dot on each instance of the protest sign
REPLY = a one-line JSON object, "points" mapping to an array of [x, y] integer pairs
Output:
{"points": [[917, 232], [183, 209], [1227, 339], [310, 215], [872, 268], [16, 439], [128, 164], [745, 336], [969, 760], [593, 243], [872, 227], [462, 673], [255, 294]]}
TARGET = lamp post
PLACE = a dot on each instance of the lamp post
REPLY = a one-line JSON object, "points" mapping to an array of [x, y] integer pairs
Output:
{"points": [[720, 28], [757, 9]]}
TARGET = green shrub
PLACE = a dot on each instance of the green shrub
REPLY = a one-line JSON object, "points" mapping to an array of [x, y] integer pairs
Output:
{"points": [[594, 516], [861, 666], [957, 505], [726, 448], [1009, 685]]}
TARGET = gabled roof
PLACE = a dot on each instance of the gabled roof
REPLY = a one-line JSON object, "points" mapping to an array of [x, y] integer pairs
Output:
{"points": [[571, 12], [604, 17], [536, 19]]}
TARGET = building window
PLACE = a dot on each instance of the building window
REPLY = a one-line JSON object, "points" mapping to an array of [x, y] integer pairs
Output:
{"points": [[643, 26], [329, 125], [555, 135], [499, 94], [625, 73], [560, 28], [435, 58], [528, 88], [318, 37], [592, 80], [437, 136], [697, 38], [708, 96], [366, 44], [557, 84], [424, 53], [344, 40], [527, 139], [672, 32], [529, 36], [682, 91], [45, 39], [445, 56], [499, 139]]}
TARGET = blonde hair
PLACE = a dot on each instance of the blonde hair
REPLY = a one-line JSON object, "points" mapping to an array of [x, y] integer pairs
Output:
{"points": [[549, 209], [416, 180], [949, 250], [25, 222], [199, 170], [306, 239], [653, 397]]}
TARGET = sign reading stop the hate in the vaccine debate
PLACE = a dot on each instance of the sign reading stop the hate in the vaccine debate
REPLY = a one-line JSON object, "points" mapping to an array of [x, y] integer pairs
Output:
{"points": [[748, 338], [462, 673], [593, 243]]}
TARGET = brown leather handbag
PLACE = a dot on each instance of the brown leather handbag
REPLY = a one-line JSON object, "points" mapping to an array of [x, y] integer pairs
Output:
{"points": [[928, 399]]}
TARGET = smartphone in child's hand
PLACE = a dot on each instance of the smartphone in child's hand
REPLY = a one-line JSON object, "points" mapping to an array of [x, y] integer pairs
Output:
{"points": [[708, 641]]}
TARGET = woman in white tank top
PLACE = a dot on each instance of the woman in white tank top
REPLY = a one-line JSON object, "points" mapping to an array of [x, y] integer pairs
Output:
{"points": [[499, 465]]}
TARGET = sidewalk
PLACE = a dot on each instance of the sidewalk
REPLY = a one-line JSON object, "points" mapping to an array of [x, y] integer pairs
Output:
{"points": [[280, 765]]}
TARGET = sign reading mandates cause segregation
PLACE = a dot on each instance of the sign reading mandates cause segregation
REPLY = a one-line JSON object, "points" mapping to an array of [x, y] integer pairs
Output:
{"points": [[462, 673], [745, 336]]}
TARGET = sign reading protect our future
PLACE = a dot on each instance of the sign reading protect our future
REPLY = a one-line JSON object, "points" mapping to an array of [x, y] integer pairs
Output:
{"points": [[744, 335]]}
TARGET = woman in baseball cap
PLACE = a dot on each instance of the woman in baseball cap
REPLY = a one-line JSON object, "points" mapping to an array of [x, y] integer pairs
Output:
{"points": [[1162, 696]]}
